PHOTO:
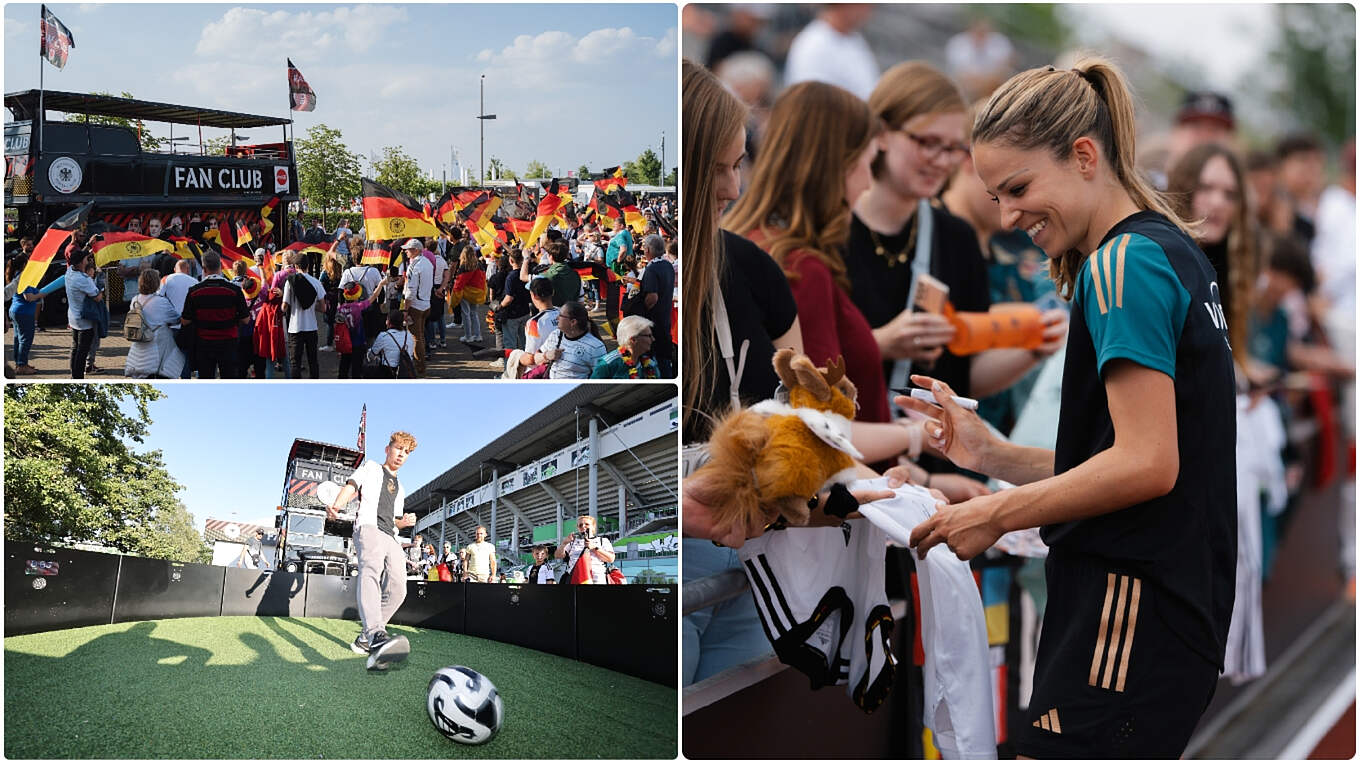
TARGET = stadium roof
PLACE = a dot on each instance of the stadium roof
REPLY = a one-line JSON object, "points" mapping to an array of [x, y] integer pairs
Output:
{"points": [[537, 435], [24, 105]]}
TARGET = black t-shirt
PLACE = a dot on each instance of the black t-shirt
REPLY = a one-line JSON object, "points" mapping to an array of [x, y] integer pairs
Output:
{"points": [[760, 308], [659, 278], [880, 291], [519, 291], [1160, 310], [387, 503]]}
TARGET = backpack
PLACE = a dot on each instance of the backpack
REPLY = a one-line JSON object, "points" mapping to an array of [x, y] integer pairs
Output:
{"points": [[134, 327], [343, 343]]}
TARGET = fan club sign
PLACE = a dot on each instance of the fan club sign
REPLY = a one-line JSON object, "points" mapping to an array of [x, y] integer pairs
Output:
{"points": [[229, 179]]}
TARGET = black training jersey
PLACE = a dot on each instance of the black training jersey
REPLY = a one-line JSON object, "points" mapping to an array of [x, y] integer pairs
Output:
{"points": [[1148, 295]]}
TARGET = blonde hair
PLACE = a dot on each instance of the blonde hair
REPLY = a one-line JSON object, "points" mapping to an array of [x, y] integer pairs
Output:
{"points": [[1243, 260], [404, 440], [908, 90], [797, 192], [1051, 108], [713, 118]]}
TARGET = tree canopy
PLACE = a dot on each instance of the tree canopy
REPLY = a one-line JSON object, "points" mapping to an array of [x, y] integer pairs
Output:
{"points": [[646, 170], [148, 142], [399, 171], [537, 170], [328, 172], [72, 477]]}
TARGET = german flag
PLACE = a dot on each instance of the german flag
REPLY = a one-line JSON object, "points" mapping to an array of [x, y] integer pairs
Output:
{"points": [[375, 257], [625, 205], [307, 248], [243, 235], [519, 228], [609, 179], [117, 246], [547, 209], [390, 215], [231, 253], [51, 242], [266, 224], [253, 285], [186, 249]]}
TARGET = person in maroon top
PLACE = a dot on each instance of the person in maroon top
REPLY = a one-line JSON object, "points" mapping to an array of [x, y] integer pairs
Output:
{"points": [[817, 131], [215, 308]]}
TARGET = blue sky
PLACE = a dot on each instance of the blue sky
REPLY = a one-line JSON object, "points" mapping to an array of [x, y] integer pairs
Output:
{"points": [[227, 442], [570, 84]]}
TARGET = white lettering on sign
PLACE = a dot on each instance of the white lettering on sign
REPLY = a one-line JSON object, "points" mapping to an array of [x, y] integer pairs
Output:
{"points": [[204, 178]]}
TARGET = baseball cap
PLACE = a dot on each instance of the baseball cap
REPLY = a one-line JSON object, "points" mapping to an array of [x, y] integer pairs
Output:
{"points": [[260, 251], [412, 243], [1206, 105]]}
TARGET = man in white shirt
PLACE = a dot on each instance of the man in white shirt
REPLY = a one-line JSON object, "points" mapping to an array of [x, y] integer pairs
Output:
{"points": [[175, 286], [480, 558], [597, 548], [831, 49], [417, 290], [300, 307], [382, 563]]}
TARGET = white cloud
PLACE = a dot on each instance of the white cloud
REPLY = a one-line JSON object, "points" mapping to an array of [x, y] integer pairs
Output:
{"points": [[17, 30], [666, 47], [243, 33], [607, 46]]}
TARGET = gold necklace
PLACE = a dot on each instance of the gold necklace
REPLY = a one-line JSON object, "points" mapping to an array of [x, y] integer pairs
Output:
{"points": [[900, 257]]}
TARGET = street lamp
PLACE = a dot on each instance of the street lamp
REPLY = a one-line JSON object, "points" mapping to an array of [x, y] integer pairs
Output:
{"points": [[483, 116]]}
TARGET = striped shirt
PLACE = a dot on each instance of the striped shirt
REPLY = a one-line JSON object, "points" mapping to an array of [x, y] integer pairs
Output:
{"points": [[216, 307]]}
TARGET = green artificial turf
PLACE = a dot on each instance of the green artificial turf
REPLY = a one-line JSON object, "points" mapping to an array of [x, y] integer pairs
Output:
{"points": [[260, 687]]}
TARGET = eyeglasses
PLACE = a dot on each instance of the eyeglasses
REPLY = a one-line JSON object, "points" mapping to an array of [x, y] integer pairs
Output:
{"points": [[932, 147]]}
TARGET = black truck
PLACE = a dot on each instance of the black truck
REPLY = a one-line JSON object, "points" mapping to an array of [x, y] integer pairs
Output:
{"points": [[308, 541], [54, 165]]}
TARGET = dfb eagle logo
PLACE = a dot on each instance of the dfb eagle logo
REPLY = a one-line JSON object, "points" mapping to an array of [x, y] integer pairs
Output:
{"points": [[134, 249], [398, 225]]}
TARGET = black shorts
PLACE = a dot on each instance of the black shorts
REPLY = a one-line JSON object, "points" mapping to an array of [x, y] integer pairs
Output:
{"points": [[1112, 679]]}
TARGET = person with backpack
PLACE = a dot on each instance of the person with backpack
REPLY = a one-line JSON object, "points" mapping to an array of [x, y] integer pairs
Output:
{"points": [[351, 336], [152, 351], [394, 350], [302, 293]]}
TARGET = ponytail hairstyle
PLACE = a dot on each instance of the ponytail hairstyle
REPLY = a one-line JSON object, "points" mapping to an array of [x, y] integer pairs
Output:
{"points": [[1242, 244], [815, 134], [713, 118], [1051, 108]]}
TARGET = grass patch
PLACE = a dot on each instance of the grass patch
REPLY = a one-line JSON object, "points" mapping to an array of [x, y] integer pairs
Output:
{"points": [[261, 687]]}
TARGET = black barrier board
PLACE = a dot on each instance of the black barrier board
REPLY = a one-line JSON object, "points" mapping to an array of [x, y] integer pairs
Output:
{"points": [[331, 596], [630, 629], [47, 589], [533, 616], [251, 592], [151, 589], [433, 604]]}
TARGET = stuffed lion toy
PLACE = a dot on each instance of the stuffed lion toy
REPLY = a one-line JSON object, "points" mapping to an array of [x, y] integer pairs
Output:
{"points": [[772, 458]]}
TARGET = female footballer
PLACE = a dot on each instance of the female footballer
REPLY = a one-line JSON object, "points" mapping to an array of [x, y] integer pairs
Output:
{"points": [[1137, 502]]}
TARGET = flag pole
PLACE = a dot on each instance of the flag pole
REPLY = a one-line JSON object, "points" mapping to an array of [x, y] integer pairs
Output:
{"points": [[42, 32]]}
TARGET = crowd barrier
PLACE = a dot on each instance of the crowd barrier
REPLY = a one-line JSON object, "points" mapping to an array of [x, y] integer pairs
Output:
{"points": [[630, 629]]}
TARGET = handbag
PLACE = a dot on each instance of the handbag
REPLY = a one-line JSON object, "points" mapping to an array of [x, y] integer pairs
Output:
{"points": [[615, 576]]}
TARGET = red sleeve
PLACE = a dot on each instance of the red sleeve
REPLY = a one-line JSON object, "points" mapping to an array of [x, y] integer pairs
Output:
{"points": [[814, 291], [460, 281]]}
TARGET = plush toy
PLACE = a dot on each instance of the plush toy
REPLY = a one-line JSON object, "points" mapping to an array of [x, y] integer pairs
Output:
{"points": [[772, 458]]}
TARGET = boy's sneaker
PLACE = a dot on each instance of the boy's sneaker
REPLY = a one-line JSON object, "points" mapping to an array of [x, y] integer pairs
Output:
{"points": [[498, 364], [360, 645], [385, 650]]}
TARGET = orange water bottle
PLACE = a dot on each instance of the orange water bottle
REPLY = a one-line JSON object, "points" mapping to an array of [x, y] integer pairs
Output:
{"points": [[1007, 325]]}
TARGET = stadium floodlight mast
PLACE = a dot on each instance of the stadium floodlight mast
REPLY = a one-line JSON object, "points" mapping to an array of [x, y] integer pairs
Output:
{"points": [[483, 117]]}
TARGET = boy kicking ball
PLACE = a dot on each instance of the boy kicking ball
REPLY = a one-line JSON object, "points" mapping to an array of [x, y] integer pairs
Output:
{"points": [[382, 563]]}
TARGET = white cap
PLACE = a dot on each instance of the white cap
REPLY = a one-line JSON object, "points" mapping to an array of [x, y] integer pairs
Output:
{"points": [[412, 243]]}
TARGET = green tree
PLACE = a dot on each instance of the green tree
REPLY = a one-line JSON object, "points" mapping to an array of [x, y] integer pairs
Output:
{"points": [[583, 172], [649, 576], [148, 142], [1316, 53], [399, 171], [71, 475], [646, 170], [1040, 24], [328, 173], [537, 170], [672, 179]]}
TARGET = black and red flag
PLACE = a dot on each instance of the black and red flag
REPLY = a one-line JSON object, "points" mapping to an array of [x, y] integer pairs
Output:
{"points": [[57, 42], [266, 224], [609, 179], [300, 94]]}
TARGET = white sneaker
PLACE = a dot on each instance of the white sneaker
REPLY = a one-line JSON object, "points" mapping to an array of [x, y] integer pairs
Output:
{"points": [[450, 324], [326, 348], [498, 364]]}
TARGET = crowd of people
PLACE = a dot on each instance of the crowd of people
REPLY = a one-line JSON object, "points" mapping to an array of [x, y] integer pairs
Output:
{"points": [[529, 307], [476, 562], [1186, 291]]}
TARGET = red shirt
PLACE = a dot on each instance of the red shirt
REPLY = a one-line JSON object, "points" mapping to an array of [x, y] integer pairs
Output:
{"points": [[833, 326]]}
